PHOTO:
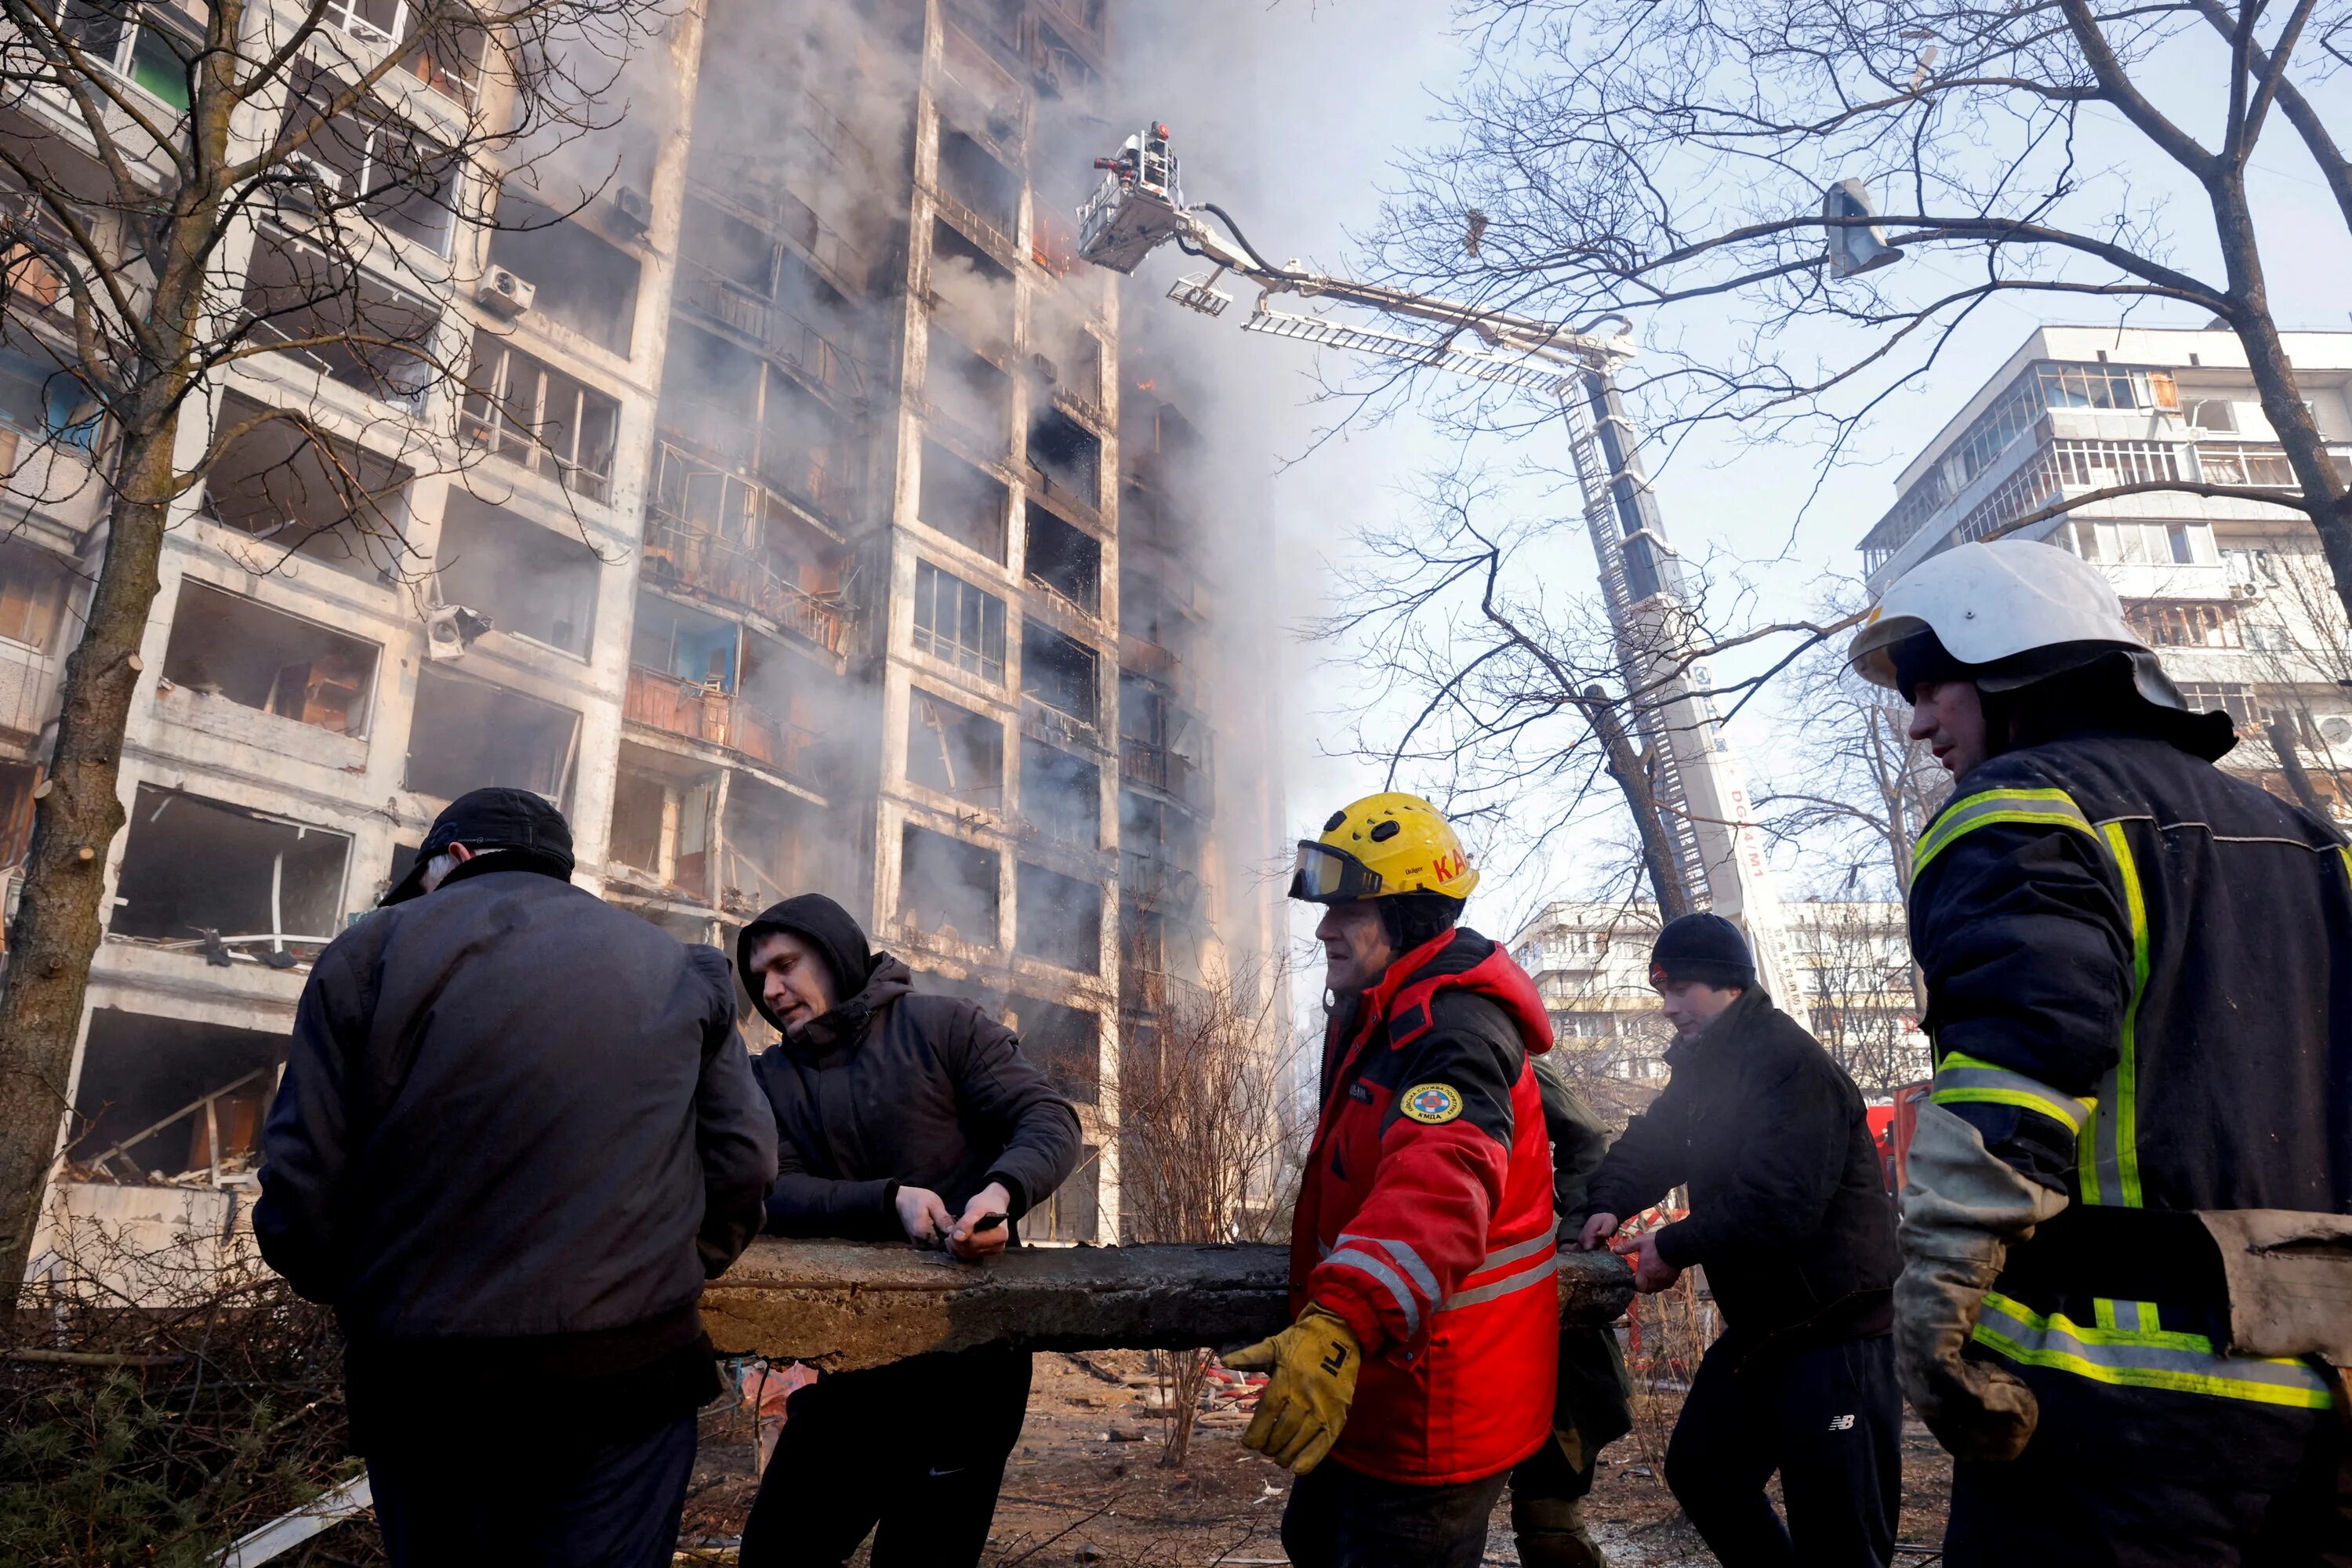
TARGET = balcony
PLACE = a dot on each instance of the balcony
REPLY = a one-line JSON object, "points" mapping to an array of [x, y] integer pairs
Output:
{"points": [[698, 712], [783, 334], [677, 554], [1156, 767], [29, 691]]}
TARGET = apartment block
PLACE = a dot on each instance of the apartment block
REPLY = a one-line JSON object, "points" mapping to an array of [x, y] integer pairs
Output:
{"points": [[800, 526], [2232, 593]]}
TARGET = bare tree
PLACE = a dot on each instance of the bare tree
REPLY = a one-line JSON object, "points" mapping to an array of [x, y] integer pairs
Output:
{"points": [[1669, 160], [1864, 996], [236, 187]]}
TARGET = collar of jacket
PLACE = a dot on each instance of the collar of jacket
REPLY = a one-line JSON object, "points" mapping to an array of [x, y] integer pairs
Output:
{"points": [[1458, 957], [844, 1026], [1753, 1004], [490, 861]]}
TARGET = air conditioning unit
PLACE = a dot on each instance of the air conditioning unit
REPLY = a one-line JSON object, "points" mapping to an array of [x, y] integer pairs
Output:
{"points": [[634, 209], [450, 630], [504, 292], [302, 182], [1046, 369]]}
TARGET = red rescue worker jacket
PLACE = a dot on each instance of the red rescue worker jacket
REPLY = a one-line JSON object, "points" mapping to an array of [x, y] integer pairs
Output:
{"points": [[1425, 1216]]}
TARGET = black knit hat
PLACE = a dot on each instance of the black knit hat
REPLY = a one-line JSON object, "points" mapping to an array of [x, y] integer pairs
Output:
{"points": [[1708, 949], [825, 926]]}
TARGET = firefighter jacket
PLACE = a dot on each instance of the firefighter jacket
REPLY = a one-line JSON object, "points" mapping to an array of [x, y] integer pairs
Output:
{"points": [[2139, 981], [1425, 1216]]}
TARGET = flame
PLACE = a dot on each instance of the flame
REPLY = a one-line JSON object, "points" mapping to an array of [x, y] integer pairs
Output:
{"points": [[1147, 386]]}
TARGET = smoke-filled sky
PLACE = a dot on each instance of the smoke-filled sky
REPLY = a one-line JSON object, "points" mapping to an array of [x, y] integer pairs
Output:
{"points": [[1290, 116]]}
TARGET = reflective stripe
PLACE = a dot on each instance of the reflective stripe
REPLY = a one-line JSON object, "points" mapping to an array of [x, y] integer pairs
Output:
{"points": [[2047, 807], [2108, 1157], [1546, 1242], [2146, 1358], [1406, 1258], [1509, 1284], [2131, 1315], [1963, 1080], [1388, 1280]]}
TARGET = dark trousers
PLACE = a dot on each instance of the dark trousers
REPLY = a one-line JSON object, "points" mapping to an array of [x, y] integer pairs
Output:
{"points": [[2135, 1478], [915, 1448], [537, 1500], [1340, 1517], [1829, 1420]]}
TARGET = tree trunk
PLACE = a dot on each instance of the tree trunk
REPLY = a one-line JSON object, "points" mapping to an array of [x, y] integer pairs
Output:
{"points": [[77, 817], [2282, 738], [1625, 763]]}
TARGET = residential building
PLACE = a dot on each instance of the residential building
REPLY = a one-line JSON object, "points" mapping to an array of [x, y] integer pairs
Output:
{"points": [[819, 546], [2232, 593]]}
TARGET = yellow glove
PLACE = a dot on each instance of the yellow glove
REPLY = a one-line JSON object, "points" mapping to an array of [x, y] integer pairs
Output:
{"points": [[1314, 1363]]}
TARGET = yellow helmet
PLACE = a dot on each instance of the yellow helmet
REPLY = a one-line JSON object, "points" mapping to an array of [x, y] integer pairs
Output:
{"points": [[1382, 846]]}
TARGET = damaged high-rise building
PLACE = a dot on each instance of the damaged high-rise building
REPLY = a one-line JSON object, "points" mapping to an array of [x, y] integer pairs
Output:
{"points": [[824, 536]]}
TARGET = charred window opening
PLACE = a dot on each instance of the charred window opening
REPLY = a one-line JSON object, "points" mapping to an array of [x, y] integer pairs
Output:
{"points": [[531, 414], [731, 538], [299, 493], [1061, 794], [32, 586], [236, 884], [1059, 672], [774, 844], [169, 1096], [972, 288], [685, 643], [1160, 743], [583, 281], [969, 392], [227, 646], [966, 504], [710, 393], [352, 326], [1073, 1211], [662, 822], [1058, 920], [1065, 457], [958, 623], [955, 751], [467, 735], [530, 581], [1066, 357], [947, 887], [720, 245], [1160, 854], [1065, 1041], [1066, 559], [969, 174]]}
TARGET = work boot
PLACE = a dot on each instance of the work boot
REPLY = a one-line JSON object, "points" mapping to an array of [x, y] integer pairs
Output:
{"points": [[1559, 1540]]}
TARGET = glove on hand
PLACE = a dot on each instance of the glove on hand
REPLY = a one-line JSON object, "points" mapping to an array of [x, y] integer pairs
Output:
{"points": [[1314, 1363], [1976, 1410]]}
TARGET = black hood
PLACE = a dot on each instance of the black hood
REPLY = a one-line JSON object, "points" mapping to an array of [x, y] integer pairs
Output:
{"points": [[818, 920]]}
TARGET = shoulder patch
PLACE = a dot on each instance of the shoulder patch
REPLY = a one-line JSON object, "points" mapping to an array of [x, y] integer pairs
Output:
{"points": [[1431, 1104]]}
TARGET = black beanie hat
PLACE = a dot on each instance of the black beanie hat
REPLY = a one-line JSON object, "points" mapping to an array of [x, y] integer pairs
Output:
{"points": [[1414, 919], [1708, 949], [827, 927]]}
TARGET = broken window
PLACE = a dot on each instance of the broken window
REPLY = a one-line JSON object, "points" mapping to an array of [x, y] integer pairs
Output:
{"points": [[351, 325], [41, 399], [958, 623], [582, 280], [675, 641], [228, 882], [1064, 558], [369, 160], [774, 845], [1061, 794], [532, 582], [969, 392], [1057, 671], [449, 58], [955, 751], [1065, 457], [301, 493], [966, 504], [662, 821], [227, 646], [538, 417], [467, 735], [32, 586], [947, 887], [973, 287], [971, 175], [1067, 1042], [1066, 357], [1073, 1211], [806, 451], [171, 1096], [1059, 920], [710, 393]]}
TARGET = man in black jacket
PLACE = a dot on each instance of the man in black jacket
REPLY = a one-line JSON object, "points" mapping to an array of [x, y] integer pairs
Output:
{"points": [[516, 1133], [901, 1117], [1788, 1215]]}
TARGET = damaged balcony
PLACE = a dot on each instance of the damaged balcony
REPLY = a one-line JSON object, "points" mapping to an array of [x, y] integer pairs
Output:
{"points": [[1064, 560], [1066, 460], [1160, 854], [702, 679], [963, 501], [582, 283], [163, 1099], [968, 393], [352, 326], [35, 586], [973, 291], [955, 751], [1060, 677], [743, 281], [236, 885], [1161, 745], [230, 653], [717, 837], [1061, 794], [525, 411], [977, 190], [947, 889], [663, 816], [532, 582], [732, 540], [295, 491], [468, 733], [731, 411]]}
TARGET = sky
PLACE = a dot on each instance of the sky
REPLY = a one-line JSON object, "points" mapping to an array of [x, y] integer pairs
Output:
{"points": [[1291, 115]]}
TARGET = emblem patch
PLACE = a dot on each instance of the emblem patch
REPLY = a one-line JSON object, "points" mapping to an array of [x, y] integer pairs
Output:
{"points": [[1432, 1103]]}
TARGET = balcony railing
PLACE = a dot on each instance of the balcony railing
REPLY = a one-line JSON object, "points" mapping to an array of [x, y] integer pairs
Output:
{"points": [[662, 701], [676, 552], [780, 332], [1141, 761]]}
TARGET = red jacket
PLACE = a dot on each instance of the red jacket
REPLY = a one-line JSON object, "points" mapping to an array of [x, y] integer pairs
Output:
{"points": [[1425, 1216]]}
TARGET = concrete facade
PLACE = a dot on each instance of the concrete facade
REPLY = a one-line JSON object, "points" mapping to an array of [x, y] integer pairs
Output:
{"points": [[839, 561]]}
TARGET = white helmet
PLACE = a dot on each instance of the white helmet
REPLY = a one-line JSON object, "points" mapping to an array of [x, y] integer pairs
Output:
{"points": [[1990, 601]]}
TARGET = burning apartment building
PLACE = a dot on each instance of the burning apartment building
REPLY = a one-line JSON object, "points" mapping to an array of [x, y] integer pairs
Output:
{"points": [[813, 533]]}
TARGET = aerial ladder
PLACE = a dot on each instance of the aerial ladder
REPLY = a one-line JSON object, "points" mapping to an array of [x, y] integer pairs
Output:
{"points": [[1713, 847]]}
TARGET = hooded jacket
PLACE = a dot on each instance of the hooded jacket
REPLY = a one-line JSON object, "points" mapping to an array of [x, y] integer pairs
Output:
{"points": [[1789, 1211], [1425, 1216], [892, 1088]]}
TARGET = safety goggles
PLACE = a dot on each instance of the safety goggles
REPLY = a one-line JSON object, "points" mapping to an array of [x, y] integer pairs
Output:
{"points": [[1322, 875]]}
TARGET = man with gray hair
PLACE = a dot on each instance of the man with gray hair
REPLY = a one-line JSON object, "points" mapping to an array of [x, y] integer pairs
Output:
{"points": [[516, 1133]]}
